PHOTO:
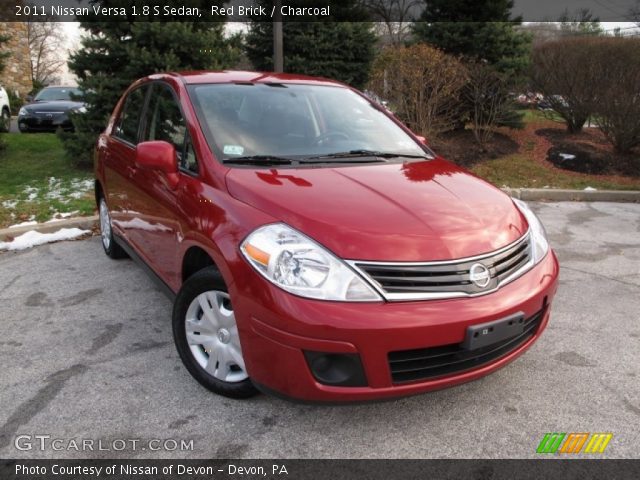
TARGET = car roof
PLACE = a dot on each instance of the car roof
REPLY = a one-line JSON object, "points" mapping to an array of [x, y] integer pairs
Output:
{"points": [[233, 76]]}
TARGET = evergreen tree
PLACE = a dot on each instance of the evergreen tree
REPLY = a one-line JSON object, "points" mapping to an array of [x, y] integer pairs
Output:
{"points": [[340, 47], [479, 29], [114, 54]]}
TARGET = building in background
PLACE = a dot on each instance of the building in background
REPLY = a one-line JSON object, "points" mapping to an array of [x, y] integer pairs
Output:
{"points": [[16, 76]]}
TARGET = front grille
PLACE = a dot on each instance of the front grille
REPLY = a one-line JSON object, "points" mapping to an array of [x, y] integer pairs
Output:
{"points": [[427, 363], [448, 279]]}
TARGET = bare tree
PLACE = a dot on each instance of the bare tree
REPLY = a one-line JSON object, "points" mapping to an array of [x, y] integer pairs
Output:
{"points": [[395, 16], [46, 42], [581, 22], [634, 13]]}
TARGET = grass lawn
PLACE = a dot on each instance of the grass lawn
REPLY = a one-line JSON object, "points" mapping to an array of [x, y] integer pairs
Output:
{"points": [[37, 182]]}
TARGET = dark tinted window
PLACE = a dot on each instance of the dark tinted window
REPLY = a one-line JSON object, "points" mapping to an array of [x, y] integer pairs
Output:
{"points": [[165, 122], [127, 126]]}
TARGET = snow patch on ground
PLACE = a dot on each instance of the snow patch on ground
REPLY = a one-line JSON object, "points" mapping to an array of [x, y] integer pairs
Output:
{"points": [[590, 189], [33, 238], [24, 224], [31, 193]]}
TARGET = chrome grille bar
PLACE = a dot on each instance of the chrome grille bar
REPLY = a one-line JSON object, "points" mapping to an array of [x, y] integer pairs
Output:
{"points": [[397, 281]]}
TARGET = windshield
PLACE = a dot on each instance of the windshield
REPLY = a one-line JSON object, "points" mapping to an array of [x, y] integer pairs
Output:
{"points": [[59, 93], [295, 121]]}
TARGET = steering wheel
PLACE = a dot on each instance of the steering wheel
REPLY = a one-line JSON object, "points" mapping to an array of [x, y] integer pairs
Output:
{"points": [[329, 135]]}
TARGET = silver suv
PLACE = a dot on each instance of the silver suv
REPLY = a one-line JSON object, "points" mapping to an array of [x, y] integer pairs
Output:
{"points": [[5, 110]]}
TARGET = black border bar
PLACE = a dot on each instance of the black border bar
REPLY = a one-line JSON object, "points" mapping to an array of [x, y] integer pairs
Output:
{"points": [[546, 468]]}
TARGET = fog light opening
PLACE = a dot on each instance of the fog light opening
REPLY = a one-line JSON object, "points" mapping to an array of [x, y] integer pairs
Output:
{"points": [[339, 369]]}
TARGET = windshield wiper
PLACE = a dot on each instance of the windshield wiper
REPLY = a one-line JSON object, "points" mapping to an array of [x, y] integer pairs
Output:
{"points": [[260, 160], [366, 153], [266, 160], [352, 156]]}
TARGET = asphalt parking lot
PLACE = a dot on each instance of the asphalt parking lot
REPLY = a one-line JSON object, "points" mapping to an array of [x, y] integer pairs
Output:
{"points": [[87, 353]]}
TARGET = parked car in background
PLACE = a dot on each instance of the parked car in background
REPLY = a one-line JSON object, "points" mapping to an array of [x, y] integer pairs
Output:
{"points": [[50, 110], [552, 102], [5, 110], [313, 245]]}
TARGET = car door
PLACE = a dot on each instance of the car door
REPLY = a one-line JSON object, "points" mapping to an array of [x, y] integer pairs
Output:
{"points": [[119, 161], [160, 219]]}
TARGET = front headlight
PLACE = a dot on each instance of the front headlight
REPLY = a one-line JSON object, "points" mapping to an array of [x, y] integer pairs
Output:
{"points": [[297, 264], [539, 242], [23, 111]]}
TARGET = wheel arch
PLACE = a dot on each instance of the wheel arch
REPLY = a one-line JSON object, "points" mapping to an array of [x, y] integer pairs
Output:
{"points": [[99, 192], [195, 259]]}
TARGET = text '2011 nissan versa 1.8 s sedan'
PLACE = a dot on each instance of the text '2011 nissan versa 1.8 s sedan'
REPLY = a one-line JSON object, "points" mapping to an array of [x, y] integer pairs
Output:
{"points": [[315, 247]]}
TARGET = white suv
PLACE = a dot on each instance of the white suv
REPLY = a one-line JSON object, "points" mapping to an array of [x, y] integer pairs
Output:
{"points": [[5, 110]]}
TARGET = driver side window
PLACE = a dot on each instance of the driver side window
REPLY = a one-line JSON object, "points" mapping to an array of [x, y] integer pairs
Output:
{"points": [[165, 122], [127, 125]]}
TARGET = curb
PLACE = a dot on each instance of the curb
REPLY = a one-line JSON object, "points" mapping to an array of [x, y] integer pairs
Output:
{"points": [[558, 195], [84, 223]]}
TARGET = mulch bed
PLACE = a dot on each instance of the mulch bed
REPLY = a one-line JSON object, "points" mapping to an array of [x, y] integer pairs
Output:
{"points": [[461, 147], [547, 142], [588, 152]]}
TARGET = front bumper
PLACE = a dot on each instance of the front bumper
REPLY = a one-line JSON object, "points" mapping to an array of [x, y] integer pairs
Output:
{"points": [[44, 123], [277, 328]]}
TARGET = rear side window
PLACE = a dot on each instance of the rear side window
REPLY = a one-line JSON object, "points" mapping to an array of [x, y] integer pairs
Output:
{"points": [[129, 122], [165, 122]]}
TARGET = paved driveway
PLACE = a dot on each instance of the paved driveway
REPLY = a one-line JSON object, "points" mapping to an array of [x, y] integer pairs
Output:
{"points": [[86, 352]]}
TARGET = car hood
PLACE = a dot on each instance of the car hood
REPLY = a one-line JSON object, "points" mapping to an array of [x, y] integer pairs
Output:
{"points": [[415, 211], [55, 106]]}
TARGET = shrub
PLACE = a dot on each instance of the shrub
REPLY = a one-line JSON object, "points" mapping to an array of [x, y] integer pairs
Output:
{"points": [[487, 94], [565, 72], [423, 85], [617, 103], [593, 76], [15, 101]]}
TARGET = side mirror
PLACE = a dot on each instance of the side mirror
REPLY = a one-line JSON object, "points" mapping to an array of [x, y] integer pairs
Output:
{"points": [[28, 98], [160, 156], [422, 139]]}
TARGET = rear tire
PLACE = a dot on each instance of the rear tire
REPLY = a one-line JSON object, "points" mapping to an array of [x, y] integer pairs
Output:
{"points": [[111, 248], [206, 335]]}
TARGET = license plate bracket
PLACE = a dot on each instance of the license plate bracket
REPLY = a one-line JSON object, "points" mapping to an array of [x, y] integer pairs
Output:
{"points": [[484, 334]]}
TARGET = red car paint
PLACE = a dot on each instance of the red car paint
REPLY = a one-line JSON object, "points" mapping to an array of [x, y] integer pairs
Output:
{"points": [[396, 212]]}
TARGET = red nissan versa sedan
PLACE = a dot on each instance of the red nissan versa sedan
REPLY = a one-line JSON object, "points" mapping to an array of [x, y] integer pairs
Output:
{"points": [[315, 247]]}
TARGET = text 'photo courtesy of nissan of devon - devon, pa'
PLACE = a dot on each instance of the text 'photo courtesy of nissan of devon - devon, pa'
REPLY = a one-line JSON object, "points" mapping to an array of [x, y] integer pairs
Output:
{"points": [[317, 239]]}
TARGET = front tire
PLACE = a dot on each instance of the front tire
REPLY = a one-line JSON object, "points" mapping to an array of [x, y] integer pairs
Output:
{"points": [[206, 335], [111, 248]]}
